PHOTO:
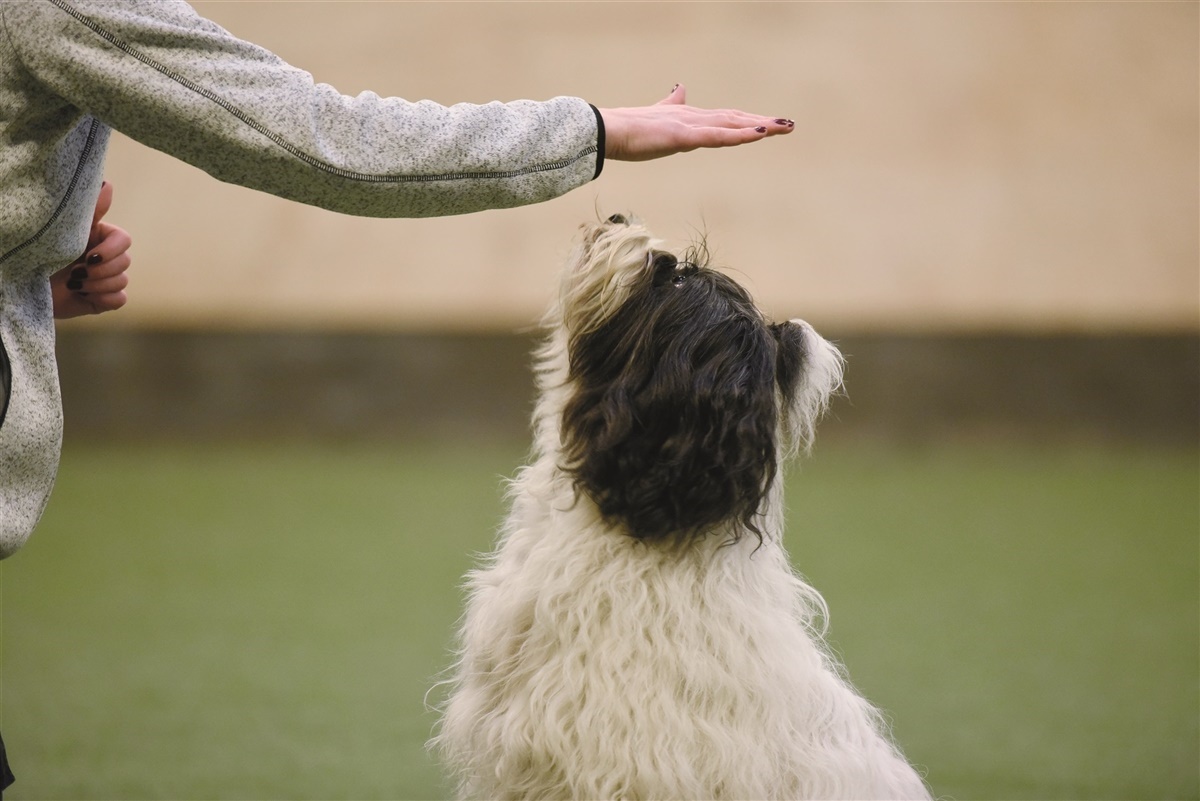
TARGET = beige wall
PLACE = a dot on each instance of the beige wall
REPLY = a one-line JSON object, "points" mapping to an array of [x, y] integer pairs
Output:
{"points": [[955, 166]]}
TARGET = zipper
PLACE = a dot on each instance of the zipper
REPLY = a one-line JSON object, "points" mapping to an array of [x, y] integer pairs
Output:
{"points": [[5, 382]]}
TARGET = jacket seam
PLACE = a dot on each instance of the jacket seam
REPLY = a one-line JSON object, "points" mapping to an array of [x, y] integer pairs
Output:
{"points": [[62, 204], [296, 152]]}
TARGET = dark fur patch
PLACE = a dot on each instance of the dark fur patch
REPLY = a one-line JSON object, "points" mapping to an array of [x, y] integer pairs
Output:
{"points": [[671, 429], [790, 359]]}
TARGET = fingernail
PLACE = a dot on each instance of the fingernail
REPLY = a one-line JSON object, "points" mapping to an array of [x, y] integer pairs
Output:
{"points": [[674, 88], [781, 121], [760, 129], [103, 184], [74, 285], [79, 274], [94, 258]]}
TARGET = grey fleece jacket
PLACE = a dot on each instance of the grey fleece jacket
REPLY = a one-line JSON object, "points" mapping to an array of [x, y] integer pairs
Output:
{"points": [[71, 70]]}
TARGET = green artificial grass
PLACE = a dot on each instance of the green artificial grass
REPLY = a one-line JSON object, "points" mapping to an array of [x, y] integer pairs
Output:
{"points": [[264, 621]]}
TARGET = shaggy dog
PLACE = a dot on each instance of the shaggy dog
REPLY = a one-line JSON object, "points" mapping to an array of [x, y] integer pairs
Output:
{"points": [[639, 632]]}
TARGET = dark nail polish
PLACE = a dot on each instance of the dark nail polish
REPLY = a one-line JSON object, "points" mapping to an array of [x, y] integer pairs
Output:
{"points": [[79, 274], [674, 89], [760, 129], [781, 121], [74, 285], [94, 258]]}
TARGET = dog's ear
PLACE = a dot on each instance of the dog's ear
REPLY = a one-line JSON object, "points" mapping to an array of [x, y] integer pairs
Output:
{"points": [[789, 358], [672, 428], [809, 372]]}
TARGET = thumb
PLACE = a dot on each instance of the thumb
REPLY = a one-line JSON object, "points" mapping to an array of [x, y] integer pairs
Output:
{"points": [[677, 97], [103, 202]]}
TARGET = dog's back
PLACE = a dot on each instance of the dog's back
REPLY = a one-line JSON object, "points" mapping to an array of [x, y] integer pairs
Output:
{"points": [[595, 666]]}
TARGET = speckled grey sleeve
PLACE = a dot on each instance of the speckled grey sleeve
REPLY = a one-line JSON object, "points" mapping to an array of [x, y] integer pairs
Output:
{"points": [[161, 74], [73, 70]]}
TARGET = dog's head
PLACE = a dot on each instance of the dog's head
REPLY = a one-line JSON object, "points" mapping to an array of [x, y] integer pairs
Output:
{"points": [[682, 397]]}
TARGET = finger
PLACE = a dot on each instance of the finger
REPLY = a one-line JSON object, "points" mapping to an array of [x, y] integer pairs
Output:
{"points": [[676, 97], [779, 127], [105, 303], [105, 277], [111, 241], [109, 298], [103, 202], [732, 118], [765, 127], [725, 137]]}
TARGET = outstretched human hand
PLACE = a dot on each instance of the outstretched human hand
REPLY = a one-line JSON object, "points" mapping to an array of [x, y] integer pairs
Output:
{"points": [[671, 126], [95, 282]]}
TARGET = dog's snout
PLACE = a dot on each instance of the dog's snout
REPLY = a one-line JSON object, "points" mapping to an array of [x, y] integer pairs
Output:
{"points": [[664, 267]]}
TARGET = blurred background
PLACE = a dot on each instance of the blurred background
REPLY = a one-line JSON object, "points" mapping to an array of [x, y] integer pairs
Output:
{"points": [[993, 207], [283, 454]]}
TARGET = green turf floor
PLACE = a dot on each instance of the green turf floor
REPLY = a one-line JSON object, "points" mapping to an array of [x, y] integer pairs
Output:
{"points": [[263, 621]]}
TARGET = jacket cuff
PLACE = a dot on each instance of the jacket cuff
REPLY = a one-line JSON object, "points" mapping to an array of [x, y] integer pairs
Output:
{"points": [[599, 141]]}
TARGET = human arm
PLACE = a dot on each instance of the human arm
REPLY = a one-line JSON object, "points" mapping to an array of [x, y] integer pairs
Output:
{"points": [[170, 79], [159, 73], [95, 282]]}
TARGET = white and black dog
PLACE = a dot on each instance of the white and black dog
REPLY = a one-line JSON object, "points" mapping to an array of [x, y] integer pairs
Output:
{"points": [[639, 632]]}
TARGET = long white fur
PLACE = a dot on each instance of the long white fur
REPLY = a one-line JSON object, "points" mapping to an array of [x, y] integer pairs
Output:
{"points": [[592, 666]]}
